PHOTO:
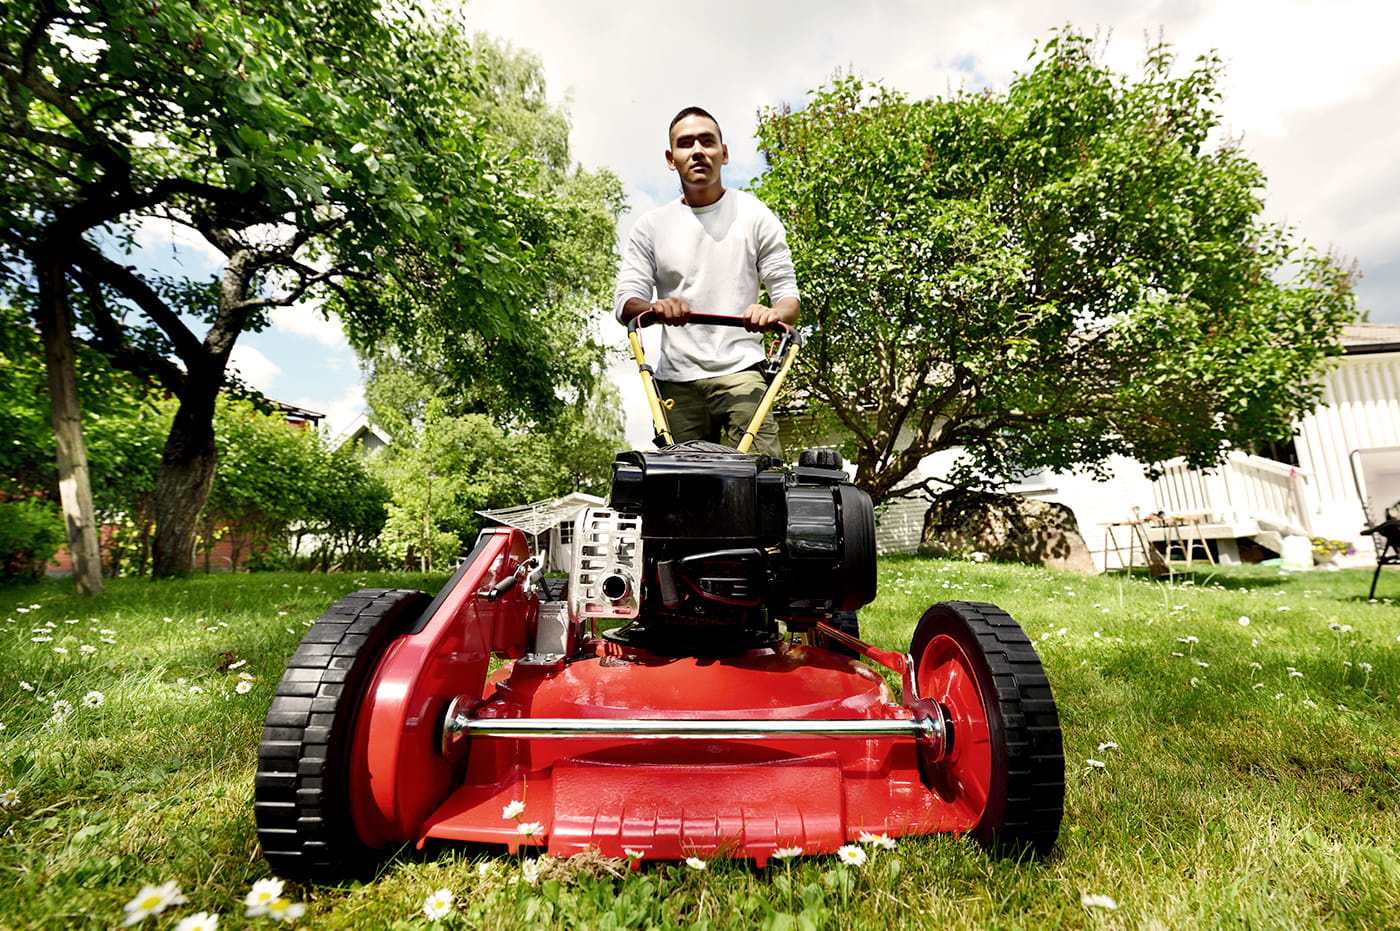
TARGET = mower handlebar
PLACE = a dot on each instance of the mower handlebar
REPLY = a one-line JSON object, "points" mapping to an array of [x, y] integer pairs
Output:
{"points": [[647, 317]]}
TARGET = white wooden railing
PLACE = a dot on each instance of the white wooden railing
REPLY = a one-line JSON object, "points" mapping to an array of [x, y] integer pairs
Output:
{"points": [[1243, 489]]}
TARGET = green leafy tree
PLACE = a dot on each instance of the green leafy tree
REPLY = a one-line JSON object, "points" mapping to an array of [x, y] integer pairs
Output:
{"points": [[126, 450], [462, 444], [346, 513], [1044, 277], [324, 149], [446, 463]]}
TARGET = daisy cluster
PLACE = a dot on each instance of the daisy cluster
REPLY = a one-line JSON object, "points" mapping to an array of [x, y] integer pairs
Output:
{"points": [[60, 709], [64, 638], [264, 900]]}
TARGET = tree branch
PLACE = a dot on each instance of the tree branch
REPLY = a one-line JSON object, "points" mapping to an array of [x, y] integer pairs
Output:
{"points": [[111, 340], [128, 283]]}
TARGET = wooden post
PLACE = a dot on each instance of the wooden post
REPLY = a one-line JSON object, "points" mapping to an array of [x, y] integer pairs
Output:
{"points": [[74, 486]]}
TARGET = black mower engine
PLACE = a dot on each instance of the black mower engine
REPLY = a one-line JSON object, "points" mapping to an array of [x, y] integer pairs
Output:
{"points": [[699, 535]]}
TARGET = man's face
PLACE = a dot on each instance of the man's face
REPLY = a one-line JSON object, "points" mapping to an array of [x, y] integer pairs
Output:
{"points": [[696, 151]]}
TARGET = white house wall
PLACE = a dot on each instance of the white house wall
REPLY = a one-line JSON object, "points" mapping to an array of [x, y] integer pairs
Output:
{"points": [[1361, 409]]}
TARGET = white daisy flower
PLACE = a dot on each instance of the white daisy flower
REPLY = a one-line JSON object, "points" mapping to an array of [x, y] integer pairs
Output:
{"points": [[784, 853], [199, 921], [879, 840], [152, 900], [437, 905], [514, 810], [1097, 901], [530, 871], [851, 855], [93, 699], [263, 894], [695, 863], [286, 910]]}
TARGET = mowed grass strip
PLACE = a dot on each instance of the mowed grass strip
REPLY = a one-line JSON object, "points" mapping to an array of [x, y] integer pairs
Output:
{"points": [[1232, 745]]}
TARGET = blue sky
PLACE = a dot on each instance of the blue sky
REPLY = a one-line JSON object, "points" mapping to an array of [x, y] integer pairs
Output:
{"points": [[1312, 90]]}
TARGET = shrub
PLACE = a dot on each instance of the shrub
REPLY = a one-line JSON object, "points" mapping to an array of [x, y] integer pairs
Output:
{"points": [[31, 531]]}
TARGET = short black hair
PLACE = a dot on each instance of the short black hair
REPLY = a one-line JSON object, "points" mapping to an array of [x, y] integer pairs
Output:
{"points": [[693, 111]]}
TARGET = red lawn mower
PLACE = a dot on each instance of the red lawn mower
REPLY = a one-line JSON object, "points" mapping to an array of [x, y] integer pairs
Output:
{"points": [[696, 687]]}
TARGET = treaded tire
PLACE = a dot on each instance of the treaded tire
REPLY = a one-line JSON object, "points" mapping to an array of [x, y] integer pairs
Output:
{"points": [[301, 793], [1013, 740]]}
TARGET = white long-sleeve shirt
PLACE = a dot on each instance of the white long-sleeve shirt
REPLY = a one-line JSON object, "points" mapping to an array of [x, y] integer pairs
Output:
{"points": [[714, 257]]}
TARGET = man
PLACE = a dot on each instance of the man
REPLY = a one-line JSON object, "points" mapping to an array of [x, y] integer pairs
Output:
{"points": [[708, 253]]}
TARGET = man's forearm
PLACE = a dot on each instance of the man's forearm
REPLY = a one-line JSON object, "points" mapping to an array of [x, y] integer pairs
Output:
{"points": [[789, 308], [634, 306]]}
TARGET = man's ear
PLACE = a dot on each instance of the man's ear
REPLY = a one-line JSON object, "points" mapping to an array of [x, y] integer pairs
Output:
{"points": [[725, 150], [671, 159]]}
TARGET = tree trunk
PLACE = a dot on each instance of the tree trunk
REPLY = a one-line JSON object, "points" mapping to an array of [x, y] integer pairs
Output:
{"points": [[186, 477], [74, 487]]}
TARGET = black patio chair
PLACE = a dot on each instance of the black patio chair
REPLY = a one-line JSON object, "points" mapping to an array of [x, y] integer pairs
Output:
{"points": [[1377, 475]]}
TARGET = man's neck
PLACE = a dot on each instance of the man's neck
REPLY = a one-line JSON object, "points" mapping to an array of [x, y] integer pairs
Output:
{"points": [[702, 197]]}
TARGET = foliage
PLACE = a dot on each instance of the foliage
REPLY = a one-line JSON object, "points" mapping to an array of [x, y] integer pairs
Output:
{"points": [[465, 444], [124, 454], [1045, 277], [1218, 763], [575, 273], [27, 447], [31, 530], [325, 150], [281, 492], [446, 464]]}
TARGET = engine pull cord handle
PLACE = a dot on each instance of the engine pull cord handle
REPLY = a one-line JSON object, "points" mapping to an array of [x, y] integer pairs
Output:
{"points": [[777, 367]]}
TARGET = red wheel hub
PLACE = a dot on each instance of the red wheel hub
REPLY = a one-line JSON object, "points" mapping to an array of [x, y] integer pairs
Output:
{"points": [[946, 675]]}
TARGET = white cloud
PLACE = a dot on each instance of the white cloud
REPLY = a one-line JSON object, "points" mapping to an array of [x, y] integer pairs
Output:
{"points": [[307, 319], [253, 367], [340, 412], [194, 254], [1289, 56]]}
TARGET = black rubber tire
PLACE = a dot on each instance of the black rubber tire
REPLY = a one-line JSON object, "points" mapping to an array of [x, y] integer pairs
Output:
{"points": [[1025, 801], [301, 791]]}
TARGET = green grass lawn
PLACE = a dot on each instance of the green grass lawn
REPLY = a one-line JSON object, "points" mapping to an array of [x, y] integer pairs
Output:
{"points": [[1232, 746]]}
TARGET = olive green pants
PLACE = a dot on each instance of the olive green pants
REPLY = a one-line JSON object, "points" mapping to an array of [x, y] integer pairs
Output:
{"points": [[719, 409]]}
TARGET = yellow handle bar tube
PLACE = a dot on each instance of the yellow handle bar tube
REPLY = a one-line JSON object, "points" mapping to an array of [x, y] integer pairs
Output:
{"points": [[769, 397], [658, 410]]}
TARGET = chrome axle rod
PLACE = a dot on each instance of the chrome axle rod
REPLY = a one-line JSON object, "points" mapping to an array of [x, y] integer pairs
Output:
{"points": [[459, 726]]}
